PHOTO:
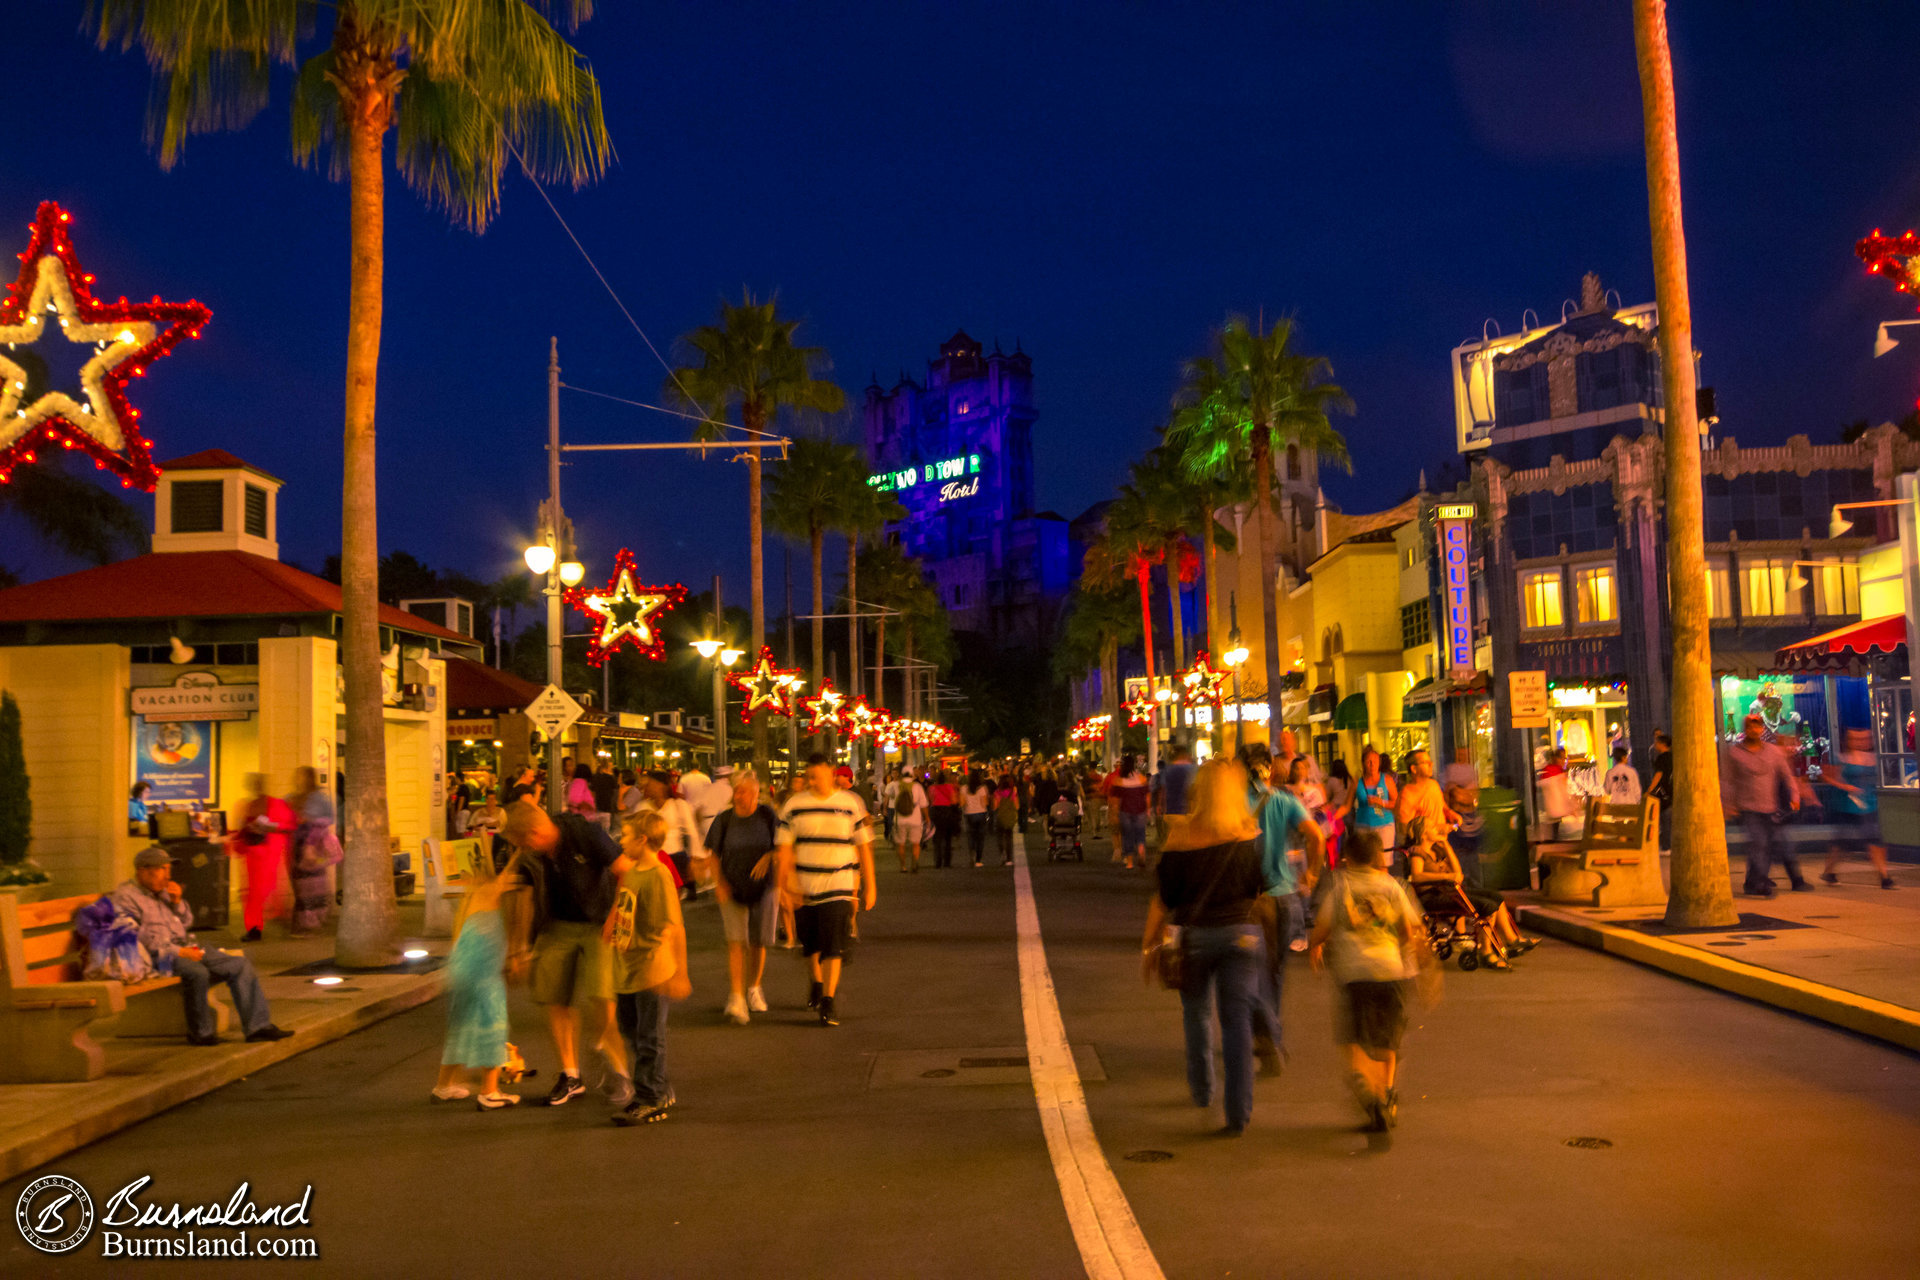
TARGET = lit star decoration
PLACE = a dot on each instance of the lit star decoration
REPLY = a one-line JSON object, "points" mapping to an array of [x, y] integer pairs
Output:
{"points": [[765, 686], [126, 337], [1092, 729], [823, 709], [1203, 684], [1140, 710], [626, 613], [1895, 257], [860, 718]]}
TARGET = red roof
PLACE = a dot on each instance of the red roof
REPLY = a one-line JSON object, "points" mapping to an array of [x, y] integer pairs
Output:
{"points": [[475, 686], [212, 460], [191, 584], [1856, 640]]}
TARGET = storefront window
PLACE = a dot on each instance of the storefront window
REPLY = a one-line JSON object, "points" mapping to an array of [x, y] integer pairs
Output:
{"points": [[1793, 708], [1893, 733], [1836, 586], [1719, 591], [1770, 588], [1594, 594], [1588, 720], [1540, 597]]}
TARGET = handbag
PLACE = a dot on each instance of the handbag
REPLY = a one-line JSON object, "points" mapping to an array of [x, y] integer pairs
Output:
{"points": [[1170, 956]]}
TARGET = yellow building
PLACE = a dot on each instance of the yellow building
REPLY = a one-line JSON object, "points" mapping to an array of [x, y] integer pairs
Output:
{"points": [[196, 665]]}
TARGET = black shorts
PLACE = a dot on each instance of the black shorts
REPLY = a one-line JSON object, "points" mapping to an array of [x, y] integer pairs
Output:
{"points": [[824, 928], [1373, 1016]]}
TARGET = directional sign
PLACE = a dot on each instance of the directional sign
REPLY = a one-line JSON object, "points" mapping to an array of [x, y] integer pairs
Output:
{"points": [[553, 711], [1527, 699]]}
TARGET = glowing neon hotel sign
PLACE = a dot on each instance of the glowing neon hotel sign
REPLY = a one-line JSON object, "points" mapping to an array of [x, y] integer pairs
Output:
{"points": [[1455, 526], [957, 477]]}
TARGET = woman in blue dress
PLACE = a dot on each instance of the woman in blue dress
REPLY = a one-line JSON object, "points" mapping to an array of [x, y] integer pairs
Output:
{"points": [[476, 1045]]}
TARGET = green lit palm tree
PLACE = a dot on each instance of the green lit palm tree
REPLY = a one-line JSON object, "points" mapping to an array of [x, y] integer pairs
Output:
{"points": [[805, 494], [463, 85], [1238, 409], [749, 365]]}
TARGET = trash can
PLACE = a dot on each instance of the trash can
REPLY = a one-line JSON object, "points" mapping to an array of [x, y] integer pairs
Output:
{"points": [[202, 869], [1503, 842]]}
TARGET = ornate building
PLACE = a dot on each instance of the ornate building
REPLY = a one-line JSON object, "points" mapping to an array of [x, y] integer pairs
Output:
{"points": [[958, 454]]}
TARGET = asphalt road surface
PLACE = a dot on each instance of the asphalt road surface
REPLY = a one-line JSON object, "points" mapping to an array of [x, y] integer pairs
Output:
{"points": [[1738, 1140]]}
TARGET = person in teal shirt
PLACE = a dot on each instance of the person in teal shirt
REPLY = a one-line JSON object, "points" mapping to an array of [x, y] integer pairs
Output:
{"points": [[1285, 825]]}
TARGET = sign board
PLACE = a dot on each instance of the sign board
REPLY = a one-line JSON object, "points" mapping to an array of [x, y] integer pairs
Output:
{"points": [[942, 469], [176, 759], [553, 711], [1527, 699], [196, 695], [487, 728], [1455, 528]]}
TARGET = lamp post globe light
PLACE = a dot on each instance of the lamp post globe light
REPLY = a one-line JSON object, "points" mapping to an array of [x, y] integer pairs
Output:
{"points": [[722, 655], [571, 572], [539, 558]]}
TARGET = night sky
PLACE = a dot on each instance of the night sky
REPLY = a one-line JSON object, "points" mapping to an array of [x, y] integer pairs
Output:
{"points": [[1101, 183]]}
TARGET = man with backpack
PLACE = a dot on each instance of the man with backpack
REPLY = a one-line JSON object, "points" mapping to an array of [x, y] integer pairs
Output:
{"points": [[743, 838], [909, 821]]}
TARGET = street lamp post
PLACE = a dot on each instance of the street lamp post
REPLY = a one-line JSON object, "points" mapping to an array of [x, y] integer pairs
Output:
{"points": [[1234, 657], [551, 558]]}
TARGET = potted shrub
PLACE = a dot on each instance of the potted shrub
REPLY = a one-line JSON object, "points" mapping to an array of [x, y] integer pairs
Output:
{"points": [[17, 871]]}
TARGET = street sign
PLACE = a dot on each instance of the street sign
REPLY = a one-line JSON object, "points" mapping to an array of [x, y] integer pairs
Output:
{"points": [[553, 711], [1527, 699]]}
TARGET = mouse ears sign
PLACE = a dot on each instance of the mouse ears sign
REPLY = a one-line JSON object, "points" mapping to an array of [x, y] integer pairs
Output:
{"points": [[51, 304], [624, 613]]}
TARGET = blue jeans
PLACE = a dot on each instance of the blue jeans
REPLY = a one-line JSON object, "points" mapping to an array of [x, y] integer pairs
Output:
{"points": [[1267, 1016], [1223, 967], [197, 977], [642, 1016], [1133, 834], [1765, 842], [977, 835]]}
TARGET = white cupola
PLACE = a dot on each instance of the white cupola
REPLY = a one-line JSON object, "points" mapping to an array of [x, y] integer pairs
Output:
{"points": [[212, 501]]}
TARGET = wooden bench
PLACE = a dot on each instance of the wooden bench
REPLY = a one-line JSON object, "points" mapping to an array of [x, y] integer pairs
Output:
{"points": [[47, 1009], [1616, 861]]}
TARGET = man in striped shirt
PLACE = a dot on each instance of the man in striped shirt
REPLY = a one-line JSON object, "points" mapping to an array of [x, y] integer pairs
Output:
{"points": [[826, 861]]}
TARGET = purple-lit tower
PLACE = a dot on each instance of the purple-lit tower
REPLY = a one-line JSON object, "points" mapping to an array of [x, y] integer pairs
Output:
{"points": [[958, 453]]}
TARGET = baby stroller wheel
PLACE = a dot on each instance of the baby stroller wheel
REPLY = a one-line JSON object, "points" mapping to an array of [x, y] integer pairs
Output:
{"points": [[1444, 948], [1469, 961]]}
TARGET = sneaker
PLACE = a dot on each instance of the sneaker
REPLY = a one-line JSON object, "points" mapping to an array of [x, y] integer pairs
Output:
{"points": [[1829, 877], [620, 1090], [813, 996], [1801, 886], [737, 1011], [203, 1042], [1391, 1109], [638, 1113], [251, 935], [827, 1016], [495, 1101], [565, 1090], [268, 1032], [452, 1093], [1886, 882], [756, 1000]]}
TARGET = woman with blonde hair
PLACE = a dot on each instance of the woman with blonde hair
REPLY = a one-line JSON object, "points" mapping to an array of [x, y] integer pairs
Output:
{"points": [[1209, 880]]}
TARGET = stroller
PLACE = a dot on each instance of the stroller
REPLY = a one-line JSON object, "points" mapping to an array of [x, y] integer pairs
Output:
{"points": [[1063, 832], [1453, 923]]}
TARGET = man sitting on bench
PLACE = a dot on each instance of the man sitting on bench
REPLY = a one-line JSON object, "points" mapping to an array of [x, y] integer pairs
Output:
{"points": [[153, 900]]}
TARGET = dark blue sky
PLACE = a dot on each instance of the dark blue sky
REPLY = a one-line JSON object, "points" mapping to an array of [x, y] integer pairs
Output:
{"points": [[1103, 183]]}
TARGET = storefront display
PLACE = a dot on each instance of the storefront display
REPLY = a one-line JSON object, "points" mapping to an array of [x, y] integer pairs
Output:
{"points": [[1589, 720]]}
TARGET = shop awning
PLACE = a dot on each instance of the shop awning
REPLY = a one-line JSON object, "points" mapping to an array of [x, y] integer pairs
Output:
{"points": [[1351, 713], [1424, 691], [1321, 703], [1423, 711], [1838, 648]]}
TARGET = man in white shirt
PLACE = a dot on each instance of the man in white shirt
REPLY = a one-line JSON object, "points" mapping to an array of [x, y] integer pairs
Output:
{"points": [[710, 797], [685, 841], [826, 863], [1622, 783]]}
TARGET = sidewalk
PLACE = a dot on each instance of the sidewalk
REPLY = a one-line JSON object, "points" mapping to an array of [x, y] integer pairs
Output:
{"points": [[41, 1122], [1846, 954]]}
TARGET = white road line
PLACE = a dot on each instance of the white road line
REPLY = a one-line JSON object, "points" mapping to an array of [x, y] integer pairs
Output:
{"points": [[1110, 1241]]}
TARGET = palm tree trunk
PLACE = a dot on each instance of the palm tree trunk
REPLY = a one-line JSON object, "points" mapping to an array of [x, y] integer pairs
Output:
{"points": [[1110, 695], [1702, 889], [880, 662], [815, 536], [1174, 549], [853, 637], [1146, 631], [1211, 562], [367, 918], [1269, 594], [755, 420]]}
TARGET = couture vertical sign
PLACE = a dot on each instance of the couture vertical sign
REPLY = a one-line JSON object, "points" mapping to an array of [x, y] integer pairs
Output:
{"points": [[1454, 524]]}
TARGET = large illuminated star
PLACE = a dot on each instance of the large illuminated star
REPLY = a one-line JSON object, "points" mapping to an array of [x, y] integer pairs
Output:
{"points": [[1140, 710], [823, 709], [626, 612], [53, 291], [1203, 683], [765, 686]]}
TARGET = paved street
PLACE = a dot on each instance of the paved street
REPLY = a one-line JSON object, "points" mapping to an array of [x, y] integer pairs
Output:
{"points": [[1744, 1141]]}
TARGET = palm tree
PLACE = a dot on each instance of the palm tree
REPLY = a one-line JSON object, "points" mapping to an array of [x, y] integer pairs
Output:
{"points": [[1237, 410], [863, 512], [463, 85], [749, 364], [1168, 501], [72, 514], [805, 494], [1097, 624], [1127, 548], [890, 579], [1702, 892]]}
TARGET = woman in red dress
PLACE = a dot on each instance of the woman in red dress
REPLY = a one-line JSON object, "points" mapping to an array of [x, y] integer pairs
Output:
{"points": [[266, 826]]}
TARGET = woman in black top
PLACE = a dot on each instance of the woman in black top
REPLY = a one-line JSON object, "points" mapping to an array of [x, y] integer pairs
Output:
{"points": [[1209, 881]]}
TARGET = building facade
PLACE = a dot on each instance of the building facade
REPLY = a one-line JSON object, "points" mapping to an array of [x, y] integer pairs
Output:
{"points": [[957, 451]]}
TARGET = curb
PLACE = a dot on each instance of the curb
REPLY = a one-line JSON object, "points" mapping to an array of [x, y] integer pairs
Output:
{"points": [[76, 1128], [1845, 1009]]}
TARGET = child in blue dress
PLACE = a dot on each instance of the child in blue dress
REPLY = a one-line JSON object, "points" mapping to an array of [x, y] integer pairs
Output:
{"points": [[477, 1001]]}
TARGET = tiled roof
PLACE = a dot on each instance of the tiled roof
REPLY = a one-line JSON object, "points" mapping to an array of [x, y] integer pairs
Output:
{"points": [[475, 686], [212, 460]]}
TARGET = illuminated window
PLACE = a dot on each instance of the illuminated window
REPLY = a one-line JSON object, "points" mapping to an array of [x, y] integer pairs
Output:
{"points": [[1836, 586], [1719, 591], [1594, 595], [1540, 598], [1768, 588]]}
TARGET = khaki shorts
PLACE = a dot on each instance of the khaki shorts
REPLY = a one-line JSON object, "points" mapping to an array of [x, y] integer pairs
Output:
{"points": [[571, 963]]}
